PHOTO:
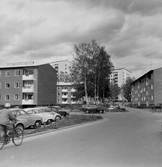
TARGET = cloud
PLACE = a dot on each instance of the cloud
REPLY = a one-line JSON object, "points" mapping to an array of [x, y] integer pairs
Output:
{"points": [[126, 6], [46, 30]]}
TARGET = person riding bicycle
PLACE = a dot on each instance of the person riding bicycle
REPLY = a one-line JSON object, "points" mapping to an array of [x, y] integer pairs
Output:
{"points": [[7, 119]]}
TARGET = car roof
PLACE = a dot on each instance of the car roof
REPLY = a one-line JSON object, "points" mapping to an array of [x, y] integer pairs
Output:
{"points": [[12, 109]]}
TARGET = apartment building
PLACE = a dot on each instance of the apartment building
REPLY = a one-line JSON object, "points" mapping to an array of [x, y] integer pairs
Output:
{"points": [[63, 66], [147, 89], [119, 76], [65, 93], [27, 84]]}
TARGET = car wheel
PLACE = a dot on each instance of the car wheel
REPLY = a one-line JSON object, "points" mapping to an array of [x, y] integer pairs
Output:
{"points": [[49, 122], [101, 111], [87, 112], [20, 126], [58, 118], [37, 124]]}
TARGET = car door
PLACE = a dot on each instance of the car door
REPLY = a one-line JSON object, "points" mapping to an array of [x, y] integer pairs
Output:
{"points": [[41, 114], [25, 115]]}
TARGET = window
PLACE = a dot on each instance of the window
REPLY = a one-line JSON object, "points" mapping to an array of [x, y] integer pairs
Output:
{"points": [[7, 97], [0, 73], [7, 85], [17, 73], [8, 73], [152, 97], [152, 87], [16, 84], [0, 85], [16, 97], [0, 97]]}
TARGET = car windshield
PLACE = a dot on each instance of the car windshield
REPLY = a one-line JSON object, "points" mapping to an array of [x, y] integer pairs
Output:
{"points": [[21, 112], [38, 111]]}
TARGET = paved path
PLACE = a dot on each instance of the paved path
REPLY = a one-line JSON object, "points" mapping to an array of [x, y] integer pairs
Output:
{"points": [[132, 139]]}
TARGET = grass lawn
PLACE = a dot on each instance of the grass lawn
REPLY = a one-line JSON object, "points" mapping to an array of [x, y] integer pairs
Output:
{"points": [[69, 121]]}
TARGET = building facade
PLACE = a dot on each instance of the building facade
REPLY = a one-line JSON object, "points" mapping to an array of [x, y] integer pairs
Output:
{"points": [[63, 66], [147, 90], [28, 85], [119, 76], [65, 93]]}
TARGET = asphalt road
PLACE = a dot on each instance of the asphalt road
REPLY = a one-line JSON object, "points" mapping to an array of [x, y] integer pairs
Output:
{"points": [[132, 139]]}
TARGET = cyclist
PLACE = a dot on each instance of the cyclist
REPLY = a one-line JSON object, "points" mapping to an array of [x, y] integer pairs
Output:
{"points": [[7, 119]]}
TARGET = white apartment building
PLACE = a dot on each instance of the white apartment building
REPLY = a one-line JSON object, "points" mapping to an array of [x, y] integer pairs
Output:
{"points": [[62, 66], [119, 76]]}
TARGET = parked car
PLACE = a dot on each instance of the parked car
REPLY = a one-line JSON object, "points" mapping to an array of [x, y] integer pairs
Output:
{"points": [[56, 116], [59, 110], [32, 120], [91, 108], [47, 118], [111, 107], [21, 123]]}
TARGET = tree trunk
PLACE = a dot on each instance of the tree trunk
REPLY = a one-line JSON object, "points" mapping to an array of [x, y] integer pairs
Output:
{"points": [[85, 88]]}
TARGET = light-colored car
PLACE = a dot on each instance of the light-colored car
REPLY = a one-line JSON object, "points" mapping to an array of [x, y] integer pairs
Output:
{"points": [[47, 118], [32, 120], [56, 116], [21, 123]]}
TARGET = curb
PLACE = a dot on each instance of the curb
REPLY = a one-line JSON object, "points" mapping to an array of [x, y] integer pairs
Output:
{"points": [[63, 128]]}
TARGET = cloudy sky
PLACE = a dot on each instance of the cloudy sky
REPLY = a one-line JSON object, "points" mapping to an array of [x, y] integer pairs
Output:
{"points": [[46, 30]]}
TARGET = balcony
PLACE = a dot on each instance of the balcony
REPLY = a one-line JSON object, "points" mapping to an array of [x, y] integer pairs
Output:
{"points": [[27, 101], [64, 96], [28, 77], [73, 102], [64, 102], [73, 90], [64, 90], [28, 89]]}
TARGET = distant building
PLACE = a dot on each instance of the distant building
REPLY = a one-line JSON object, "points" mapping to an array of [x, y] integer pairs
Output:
{"points": [[147, 89], [119, 76], [65, 93], [63, 66], [27, 84]]}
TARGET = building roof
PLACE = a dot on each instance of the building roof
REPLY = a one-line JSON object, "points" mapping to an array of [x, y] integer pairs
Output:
{"points": [[60, 61], [122, 69], [64, 83], [146, 74], [21, 64]]}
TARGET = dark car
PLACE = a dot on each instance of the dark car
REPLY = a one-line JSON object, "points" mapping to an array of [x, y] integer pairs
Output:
{"points": [[61, 111], [91, 108]]}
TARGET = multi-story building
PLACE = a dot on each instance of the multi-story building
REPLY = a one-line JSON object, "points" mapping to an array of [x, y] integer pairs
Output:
{"points": [[65, 94], [119, 76], [147, 89], [26, 84], [63, 66], [65, 89]]}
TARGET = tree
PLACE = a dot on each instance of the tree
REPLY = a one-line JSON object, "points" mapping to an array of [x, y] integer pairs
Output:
{"points": [[92, 67], [126, 88], [114, 91], [62, 77]]}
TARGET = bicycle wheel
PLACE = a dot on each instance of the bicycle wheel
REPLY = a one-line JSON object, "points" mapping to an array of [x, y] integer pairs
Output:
{"points": [[17, 137], [2, 142]]}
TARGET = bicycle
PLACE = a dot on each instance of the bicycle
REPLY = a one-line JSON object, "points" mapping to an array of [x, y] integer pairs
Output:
{"points": [[16, 134]]}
